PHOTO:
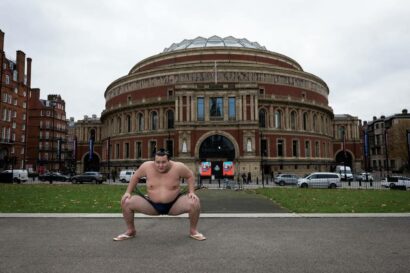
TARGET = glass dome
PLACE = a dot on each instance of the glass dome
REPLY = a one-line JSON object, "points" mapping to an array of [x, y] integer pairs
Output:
{"points": [[214, 41]]}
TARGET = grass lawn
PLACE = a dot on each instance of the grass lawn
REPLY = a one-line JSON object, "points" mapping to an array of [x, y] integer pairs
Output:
{"points": [[92, 198], [60, 198], [338, 201]]}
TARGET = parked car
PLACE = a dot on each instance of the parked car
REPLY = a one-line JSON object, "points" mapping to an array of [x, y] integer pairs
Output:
{"points": [[94, 177], [53, 176], [15, 175], [286, 179], [320, 180], [396, 182], [125, 175], [364, 177]]}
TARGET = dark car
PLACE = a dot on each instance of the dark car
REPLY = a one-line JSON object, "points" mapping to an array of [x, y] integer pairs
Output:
{"points": [[94, 177], [53, 176]]}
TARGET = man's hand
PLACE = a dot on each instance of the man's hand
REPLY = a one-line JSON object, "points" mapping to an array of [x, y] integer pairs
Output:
{"points": [[193, 196], [125, 197]]}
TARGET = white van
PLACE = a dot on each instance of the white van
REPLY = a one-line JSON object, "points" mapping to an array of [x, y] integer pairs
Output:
{"points": [[320, 180], [125, 175], [18, 175], [345, 172]]}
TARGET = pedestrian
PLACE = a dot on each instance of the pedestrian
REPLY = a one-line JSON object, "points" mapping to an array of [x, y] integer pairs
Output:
{"points": [[244, 178], [163, 194], [113, 174], [249, 179]]}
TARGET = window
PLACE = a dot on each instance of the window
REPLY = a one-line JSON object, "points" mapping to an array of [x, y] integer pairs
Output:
{"points": [[154, 120], [119, 125], [140, 120], [117, 150], [280, 147], [170, 147], [315, 123], [7, 79], [127, 150], [295, 148], [170, 119], [317, 149], [262, 118], [278, 119], [264, 147], [232, 108], [293, 118], [138, 153], [153, 147], [200, 109], [216, 107], [307, 149], [128, 123]]}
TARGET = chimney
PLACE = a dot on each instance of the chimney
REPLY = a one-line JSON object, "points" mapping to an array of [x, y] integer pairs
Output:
{"points": [[404, 111], [29, 72], [1, 41], [21, 63]]}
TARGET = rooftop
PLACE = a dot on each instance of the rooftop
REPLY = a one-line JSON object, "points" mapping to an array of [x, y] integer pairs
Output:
{"points": [[214, 41]]}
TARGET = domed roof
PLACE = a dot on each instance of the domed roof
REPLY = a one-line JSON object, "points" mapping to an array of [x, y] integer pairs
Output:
{"points": [[214, 41]]}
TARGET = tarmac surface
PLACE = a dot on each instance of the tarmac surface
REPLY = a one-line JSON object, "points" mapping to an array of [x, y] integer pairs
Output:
{"points": [[236, 242]]}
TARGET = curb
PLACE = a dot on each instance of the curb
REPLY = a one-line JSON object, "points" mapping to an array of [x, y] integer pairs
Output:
{"points": [[210, 215]]}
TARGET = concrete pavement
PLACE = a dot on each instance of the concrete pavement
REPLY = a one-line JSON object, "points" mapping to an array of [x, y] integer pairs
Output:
{"points": [[245, 233], [85, 245]]}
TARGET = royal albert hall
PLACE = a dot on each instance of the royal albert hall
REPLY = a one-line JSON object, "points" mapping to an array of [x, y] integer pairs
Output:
{"points": [[219, 100]]}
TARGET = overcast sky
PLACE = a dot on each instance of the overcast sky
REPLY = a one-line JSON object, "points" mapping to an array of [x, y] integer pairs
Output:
{"points": [[361, 49]]}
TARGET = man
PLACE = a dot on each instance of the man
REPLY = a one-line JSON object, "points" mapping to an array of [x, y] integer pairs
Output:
{"points": [[163, 194]]}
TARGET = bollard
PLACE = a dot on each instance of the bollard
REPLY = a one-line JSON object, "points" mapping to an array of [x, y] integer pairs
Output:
{"points": [[219, 183]]}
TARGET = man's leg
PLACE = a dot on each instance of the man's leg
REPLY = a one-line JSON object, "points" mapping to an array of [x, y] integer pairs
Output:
{"points": [[188, 205], [135, 203]]}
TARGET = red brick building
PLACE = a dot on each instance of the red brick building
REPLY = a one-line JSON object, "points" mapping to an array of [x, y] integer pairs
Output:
{"points": [[219, 100], [47, 146], [15, 80]]}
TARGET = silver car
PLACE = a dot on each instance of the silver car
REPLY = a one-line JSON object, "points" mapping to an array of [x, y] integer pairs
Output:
{"points": [[286, 179], [320, 180]]}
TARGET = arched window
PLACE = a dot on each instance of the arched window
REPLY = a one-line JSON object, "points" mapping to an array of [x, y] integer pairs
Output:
{"points": [[119, 125], [128, 123], [278, 119], [315, 123], [170, 119], [322, 124], [305, 121], [154, 120], [262, 118], [293, 120], [140, 120]]}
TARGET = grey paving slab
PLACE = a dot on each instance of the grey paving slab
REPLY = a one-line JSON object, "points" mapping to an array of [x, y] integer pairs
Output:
{"points": [[233, 245]]}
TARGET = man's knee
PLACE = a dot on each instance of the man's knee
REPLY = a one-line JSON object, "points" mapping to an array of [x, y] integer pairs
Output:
{"points": [[194, 204]]}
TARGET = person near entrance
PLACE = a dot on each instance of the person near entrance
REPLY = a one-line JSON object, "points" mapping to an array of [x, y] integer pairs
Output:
{"points": [[163, 194]]}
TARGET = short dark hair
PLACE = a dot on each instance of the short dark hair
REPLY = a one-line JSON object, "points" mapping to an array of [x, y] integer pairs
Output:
{"points": [[163, 152]]}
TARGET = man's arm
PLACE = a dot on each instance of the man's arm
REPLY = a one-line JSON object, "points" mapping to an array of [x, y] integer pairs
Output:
{"points": [[134, 181], [189, 176]]}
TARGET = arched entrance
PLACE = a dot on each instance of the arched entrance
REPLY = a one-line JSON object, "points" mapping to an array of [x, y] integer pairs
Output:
{"points": [[341, 159], [92, 164], [217, 149]]}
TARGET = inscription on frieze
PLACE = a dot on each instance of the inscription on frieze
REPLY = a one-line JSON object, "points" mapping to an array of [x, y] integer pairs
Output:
{"points": [[223, 77]]}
